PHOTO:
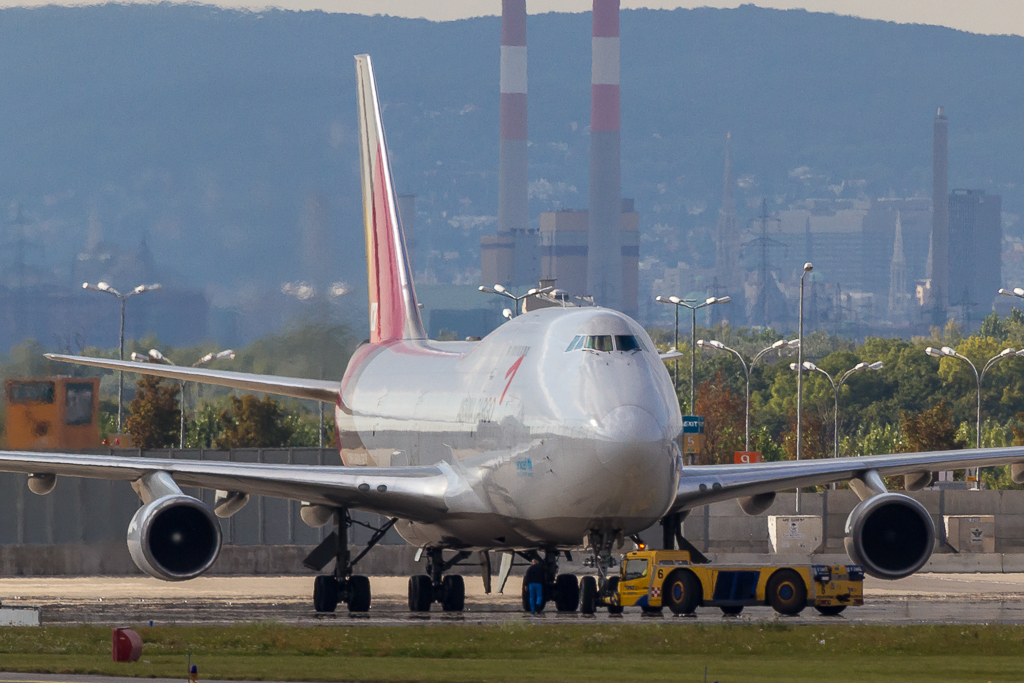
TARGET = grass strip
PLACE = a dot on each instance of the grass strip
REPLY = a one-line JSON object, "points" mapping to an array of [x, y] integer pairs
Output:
{"points": [[518, 652]]}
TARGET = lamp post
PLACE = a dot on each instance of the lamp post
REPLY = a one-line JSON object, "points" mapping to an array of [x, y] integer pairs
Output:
{"points": [[808, 267], [836, 387], [1016, 291], [156, 357], [777, 346], [689, 303], [107, 289], [949, 352], [498, 289]]}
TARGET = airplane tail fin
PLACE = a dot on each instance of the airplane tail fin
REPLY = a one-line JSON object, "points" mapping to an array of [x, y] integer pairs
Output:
{"points": [[394, 313]]}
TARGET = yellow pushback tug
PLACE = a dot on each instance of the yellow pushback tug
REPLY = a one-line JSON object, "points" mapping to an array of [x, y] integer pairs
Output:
{"points": [[654, 579]]}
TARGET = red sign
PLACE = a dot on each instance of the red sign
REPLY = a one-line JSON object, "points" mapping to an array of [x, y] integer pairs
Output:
{"points": [[745, 457]]}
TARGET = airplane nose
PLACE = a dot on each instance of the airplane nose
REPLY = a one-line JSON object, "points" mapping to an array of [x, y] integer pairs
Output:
{"points": [[630, 425]]}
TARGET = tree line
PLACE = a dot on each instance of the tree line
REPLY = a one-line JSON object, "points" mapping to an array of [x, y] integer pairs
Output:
{"points": [[914, 403]]}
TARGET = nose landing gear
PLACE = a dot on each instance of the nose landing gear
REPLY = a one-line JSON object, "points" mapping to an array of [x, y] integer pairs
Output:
{"points": [[600, 591]]}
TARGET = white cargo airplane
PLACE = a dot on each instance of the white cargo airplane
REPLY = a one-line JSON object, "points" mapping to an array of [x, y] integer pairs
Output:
{"points": [[557, 430]]}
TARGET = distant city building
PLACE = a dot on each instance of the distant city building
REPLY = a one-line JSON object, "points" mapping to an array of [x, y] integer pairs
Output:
{"points": [[851, 243], [975, 251]]}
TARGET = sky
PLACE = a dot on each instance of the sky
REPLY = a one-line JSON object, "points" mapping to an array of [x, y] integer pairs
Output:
{"points": [[985, 16], [975, 16]]}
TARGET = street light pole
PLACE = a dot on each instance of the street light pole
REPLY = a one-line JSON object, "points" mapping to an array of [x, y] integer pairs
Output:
{"points": [[107, 289], [498, 289], [949, 352], [688, 303], [808, 267], [779, 345], [836, 387]]}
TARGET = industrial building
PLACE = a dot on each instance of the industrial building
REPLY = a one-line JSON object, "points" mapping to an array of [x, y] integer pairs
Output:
{"points": [[564, 245]]}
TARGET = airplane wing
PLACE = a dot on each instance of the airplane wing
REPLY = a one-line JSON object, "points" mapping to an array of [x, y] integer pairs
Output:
{"points": [[700, 485], [422, 493], [311, 389]]}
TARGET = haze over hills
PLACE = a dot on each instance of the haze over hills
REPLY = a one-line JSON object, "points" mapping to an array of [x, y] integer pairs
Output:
{"points": [[211, 132]]}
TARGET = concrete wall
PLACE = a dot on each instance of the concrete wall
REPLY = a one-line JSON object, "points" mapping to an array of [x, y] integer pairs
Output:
{"points": [[80, 528]]}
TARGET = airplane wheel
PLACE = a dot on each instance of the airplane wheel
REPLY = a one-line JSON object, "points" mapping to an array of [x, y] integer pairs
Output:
{"points": [[613, 588], [681, 592], [829, 610], [787, 593], [358, 594], [567, 593], [325, 594], [732, 610], [453, 593], [421, 593], [588, 595]]}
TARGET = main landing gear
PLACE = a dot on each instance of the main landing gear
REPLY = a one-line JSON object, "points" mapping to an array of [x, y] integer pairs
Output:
{"points": [[434, 586], [562, 589], [343, 586]]}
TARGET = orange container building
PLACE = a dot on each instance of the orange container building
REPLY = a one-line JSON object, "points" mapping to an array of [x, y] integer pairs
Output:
{"points": [[52, 413]]}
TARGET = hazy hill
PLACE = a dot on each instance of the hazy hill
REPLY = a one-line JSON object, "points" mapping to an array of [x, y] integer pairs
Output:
{"points": [[211, 130]]}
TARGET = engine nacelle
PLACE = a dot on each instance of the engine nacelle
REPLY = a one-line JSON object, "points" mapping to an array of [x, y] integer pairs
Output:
{"points": [[891, 535], [174, 537]]}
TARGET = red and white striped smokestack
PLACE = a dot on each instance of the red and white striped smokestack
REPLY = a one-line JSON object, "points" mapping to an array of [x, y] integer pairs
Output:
{"points": [[512, 170], [604, 248]]}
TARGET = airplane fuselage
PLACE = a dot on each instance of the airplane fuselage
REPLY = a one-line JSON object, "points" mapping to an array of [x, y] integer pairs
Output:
{"points": [[555, 442]]}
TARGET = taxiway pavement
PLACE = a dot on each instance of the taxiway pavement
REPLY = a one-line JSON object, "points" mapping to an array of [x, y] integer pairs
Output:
{"points": [[923, 598]]}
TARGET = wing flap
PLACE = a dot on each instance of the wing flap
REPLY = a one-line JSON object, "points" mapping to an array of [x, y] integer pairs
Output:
{"points": [[310, 389], [701, 485], [417, 493]]}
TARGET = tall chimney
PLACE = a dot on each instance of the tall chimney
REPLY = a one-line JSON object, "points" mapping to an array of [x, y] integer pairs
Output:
{"points": [[604, 249], [940, 217], [513, 211]]}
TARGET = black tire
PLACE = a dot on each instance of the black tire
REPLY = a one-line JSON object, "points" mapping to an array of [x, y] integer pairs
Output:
{"points": [[567, 593], [325, 594], [681, 592], [731, 610], [612, 589], [358, 594], [830, 610], [787, 593], [453, 593], [421, 593], [588, 595]]}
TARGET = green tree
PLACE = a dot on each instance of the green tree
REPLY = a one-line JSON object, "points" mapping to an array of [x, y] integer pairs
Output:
{"points": [[252, 423], [154, 417]]}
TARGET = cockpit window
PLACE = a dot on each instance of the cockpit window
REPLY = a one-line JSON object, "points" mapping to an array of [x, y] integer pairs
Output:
{"points": [[599, 342], [604, 342], [626, 342]]}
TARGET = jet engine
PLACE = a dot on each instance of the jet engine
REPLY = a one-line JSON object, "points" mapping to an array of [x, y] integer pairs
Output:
{"points": [[891, 535], [174, 537]]}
